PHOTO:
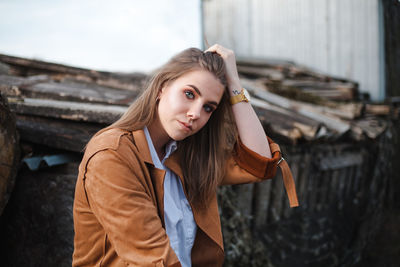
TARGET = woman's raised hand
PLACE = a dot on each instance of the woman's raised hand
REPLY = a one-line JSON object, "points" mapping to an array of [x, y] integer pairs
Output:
{"points": [[228, 56]]}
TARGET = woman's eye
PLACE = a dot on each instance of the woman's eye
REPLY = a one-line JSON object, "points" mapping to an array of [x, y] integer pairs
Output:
{"points": [[189, 94], [208, 108]]}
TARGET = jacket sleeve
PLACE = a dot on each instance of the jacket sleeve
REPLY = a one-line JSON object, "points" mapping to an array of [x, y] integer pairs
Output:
{"points": [[124, 207], [247, 166]]}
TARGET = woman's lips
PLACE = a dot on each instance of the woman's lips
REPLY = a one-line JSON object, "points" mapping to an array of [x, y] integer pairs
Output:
{"points": [[186, 126]]}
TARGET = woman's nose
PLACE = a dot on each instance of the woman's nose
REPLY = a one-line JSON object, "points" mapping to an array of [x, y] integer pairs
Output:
{"points": [[194, 111]]}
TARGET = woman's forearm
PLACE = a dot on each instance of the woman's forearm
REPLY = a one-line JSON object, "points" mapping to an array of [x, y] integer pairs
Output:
{"points": [[249, 126], [250, 130]]}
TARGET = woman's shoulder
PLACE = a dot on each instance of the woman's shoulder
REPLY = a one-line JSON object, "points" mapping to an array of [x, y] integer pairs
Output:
{"points": [[110, 146], [110, 139]]}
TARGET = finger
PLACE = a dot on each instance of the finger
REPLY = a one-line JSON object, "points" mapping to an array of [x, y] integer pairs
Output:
{"points": [[223, 52], [215, 48]]}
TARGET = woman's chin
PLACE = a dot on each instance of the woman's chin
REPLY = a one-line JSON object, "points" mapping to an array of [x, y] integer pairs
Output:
{"points": [[179, 135]]}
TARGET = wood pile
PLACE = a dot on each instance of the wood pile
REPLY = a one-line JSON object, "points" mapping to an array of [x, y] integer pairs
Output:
{"points": [[341, 184], [52, 100], [289, 79], [310, 105]]}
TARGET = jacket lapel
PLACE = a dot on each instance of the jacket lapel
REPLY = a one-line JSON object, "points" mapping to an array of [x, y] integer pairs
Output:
{"points": [[207, 219], [156, 175], [142, 146], [172, 163]]}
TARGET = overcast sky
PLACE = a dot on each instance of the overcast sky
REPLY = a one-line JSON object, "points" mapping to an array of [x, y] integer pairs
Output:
{"points": [[118, 35]]}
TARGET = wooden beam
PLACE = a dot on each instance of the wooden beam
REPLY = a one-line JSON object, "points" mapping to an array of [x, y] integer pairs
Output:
{"points": [[30, 67], [44, 87], [66, 135], [87, 112]]}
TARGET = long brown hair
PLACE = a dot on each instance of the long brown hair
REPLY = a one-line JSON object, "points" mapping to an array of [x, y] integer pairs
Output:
{"points": [[202, 155]]}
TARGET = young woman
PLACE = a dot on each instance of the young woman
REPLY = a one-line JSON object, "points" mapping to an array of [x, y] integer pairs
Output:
{"points": [[146, 190]]}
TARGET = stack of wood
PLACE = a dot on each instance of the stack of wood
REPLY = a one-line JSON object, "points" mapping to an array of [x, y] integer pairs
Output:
{"points": [[293, 80], [311, 105], [52, 100]]}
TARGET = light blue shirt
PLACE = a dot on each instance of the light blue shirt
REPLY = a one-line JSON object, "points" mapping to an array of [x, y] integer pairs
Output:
{"points": [[179, 221]]}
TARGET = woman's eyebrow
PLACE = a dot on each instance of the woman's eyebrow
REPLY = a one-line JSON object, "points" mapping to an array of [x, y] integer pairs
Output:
{"points": [[195, 88], [198, 92]]}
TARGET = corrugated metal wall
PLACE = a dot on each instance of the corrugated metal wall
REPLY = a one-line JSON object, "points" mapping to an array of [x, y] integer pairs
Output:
{"points": [[338, 37]]}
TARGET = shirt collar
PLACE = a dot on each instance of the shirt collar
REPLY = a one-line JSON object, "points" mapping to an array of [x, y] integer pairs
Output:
{"points": [[170, 148]]}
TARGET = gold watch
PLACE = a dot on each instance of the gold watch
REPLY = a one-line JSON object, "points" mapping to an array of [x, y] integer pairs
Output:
{"points": [[244, 96]]}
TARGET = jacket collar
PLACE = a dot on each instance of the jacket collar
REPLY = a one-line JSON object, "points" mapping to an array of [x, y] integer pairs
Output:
{"points": [[171, 162], [141, 144]]}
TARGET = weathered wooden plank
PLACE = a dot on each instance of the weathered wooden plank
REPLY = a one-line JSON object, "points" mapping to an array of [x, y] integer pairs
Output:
{"points": [[5, 69], [380, 110], [350, 181], [348, 111], [333, 90], [262, 199], [278, 195], [331, 94], [288, 114], [288, 67], [312, 191], [50, 67], [271, 74], [325, 181], [286, 122], [303, 179], [80, 92], [332, 123], [245, 199], [359, 174], [341, 161], [9, 85], [43, 87], [370, 126], [28, 67], [341, 186], [323, 85], [88, 112], [67, 135], [276, 123]]}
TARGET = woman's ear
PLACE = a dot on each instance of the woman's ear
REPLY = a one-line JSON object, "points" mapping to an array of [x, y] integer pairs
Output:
{"points": [[160, 92]]}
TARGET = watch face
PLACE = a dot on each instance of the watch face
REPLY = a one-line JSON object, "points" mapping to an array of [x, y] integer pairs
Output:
{"points": [[246, 94]]}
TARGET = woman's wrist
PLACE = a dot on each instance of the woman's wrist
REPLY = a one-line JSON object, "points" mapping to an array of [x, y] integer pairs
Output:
{"points": [[235, 88]]}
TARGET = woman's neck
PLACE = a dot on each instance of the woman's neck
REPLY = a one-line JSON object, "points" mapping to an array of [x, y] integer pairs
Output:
{"points": [[158, 137]]}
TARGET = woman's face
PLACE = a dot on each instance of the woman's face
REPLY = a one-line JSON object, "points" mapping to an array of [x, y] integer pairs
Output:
{"points": [[186, 104]]}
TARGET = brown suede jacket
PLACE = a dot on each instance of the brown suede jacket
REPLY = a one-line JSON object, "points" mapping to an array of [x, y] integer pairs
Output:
{"points": [[119, 211]]}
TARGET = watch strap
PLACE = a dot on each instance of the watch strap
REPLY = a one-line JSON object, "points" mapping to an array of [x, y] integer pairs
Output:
{"points": [[239, 98]]}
